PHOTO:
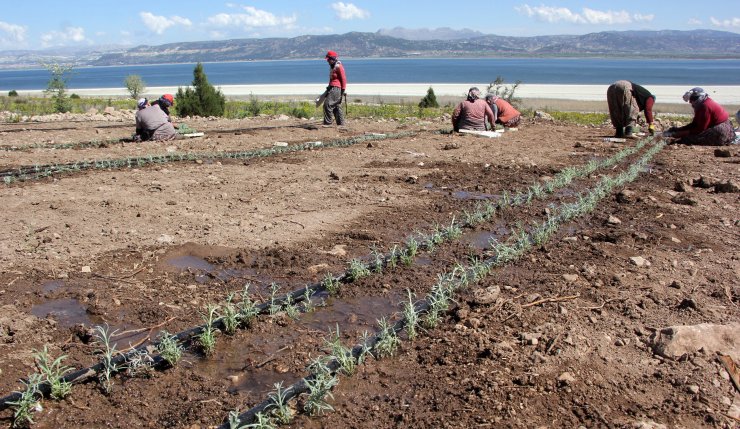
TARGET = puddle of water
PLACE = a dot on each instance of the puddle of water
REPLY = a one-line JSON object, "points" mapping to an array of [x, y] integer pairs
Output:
{"points": [[205, 270], [354, 314], [467, 195], [424, 260], [192, 262], [481, 240], [67, 312], [52, 285]]}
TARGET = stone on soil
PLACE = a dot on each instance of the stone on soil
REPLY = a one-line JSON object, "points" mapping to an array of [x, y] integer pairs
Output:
{"points": [[486, 296], [613, 220], [684, 200], [640, 261], [676, 341]]}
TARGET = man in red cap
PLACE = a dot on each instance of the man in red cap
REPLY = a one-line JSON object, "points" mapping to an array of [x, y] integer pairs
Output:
{"points": [[335, 90]]}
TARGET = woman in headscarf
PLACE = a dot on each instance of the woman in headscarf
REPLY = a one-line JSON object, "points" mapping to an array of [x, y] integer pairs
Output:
{"points": [[711, 125], [471, 114], [503, 112]]}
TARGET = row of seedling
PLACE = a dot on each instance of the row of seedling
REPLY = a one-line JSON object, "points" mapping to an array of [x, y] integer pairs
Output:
{"points": [[228, 318], [37, 172], [323, 373]]}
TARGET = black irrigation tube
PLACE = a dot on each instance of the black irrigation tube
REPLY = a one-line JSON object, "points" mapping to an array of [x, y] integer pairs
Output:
{"points": [[38, 172], [77, 145], [185, 336], [422, 307]]}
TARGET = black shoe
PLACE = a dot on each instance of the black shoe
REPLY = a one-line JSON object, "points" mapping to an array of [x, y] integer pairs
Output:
{"points": [[628, 132], [620, 132]]}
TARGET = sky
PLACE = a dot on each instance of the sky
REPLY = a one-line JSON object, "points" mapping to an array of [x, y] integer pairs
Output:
{"points": [[41, 24]]}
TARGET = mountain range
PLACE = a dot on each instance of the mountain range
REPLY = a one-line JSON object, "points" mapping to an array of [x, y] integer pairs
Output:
{"points": [[399, 43]]}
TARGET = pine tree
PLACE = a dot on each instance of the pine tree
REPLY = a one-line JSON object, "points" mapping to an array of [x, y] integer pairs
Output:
{"points": [[202, 99], [429, 100]]}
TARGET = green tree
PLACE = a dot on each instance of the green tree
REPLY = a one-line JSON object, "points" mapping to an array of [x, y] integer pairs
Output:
{"points": [[135, 85], [57, 86], [429, 100], [504, 91], [12, 93], [202, 99]]}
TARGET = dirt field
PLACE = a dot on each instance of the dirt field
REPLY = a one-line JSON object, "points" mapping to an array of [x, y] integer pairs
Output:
{"points": [[566, 340]]}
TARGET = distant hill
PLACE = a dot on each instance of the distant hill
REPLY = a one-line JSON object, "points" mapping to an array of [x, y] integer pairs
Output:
{"points": [[442, 33], [388, 44]]}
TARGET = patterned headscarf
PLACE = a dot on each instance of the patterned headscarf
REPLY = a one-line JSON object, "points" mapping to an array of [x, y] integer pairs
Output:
{"points": [[695, 95], [473, 94]]}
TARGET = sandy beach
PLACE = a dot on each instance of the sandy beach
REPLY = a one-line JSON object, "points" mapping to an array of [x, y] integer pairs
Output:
{"points": [[590, 97]]}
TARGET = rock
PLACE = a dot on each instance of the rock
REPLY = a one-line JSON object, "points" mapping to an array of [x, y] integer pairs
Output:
{"points": [[543, 115], [676, 341], [530, 338], [625, 196], [338, 250], [692, 388], [165, 238], [640, 261], [722, 153], [450, 146], [684, 199], [648, 425], [233, 379], [702, 182], [283, 118], [333, 175], [315, 269], [566, 379], [486, 296], [412, 179], [727, 187], [688, 303], [280, 144], [675, 284], [570, 278], [85, 269], [613, 220], [109, 110]]}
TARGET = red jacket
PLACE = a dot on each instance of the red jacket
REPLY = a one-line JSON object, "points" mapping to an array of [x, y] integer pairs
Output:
{"points": [[337, 77], [471, 115], [707, 114]]}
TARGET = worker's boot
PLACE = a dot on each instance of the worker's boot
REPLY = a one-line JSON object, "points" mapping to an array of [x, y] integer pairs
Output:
{"points": [[629, 132], [620, 132]]}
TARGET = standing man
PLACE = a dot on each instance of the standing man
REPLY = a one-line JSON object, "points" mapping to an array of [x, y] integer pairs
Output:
{"points": [[335, 90], [626, 100]]}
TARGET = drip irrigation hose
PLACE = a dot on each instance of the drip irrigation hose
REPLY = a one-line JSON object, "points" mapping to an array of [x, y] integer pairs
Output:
{"points": [[301, 386]]}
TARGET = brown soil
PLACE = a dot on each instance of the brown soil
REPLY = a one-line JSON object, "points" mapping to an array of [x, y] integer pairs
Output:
{"points": [[137, 247]]}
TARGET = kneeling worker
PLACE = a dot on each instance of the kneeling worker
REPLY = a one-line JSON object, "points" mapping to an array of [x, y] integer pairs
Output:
{"points": [[153, 124], [711, 125], [626, 100], [503, 112], [471, 114]]}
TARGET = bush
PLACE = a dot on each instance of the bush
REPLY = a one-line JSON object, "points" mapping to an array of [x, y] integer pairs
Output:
{"points": [[504, 91], [57, 86], [12, 93], [135, 85], [201, 100], [74, 96], [429, 100]]}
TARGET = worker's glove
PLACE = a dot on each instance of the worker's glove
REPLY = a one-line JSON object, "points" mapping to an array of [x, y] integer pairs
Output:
{"points": [[651, 129], [342, 93]]}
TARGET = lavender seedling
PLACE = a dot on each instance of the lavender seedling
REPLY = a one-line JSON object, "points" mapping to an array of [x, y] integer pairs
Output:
{"points": [[340, 353], [27, 403], [411, 316], [319, 388], [412, 247], [393, 257], [282, 412], [275, 307], [207, 338], [357, 270], [169, 348], [388, 340], [53, 371], [103, 336], [230, 316], [139, 363], [247, 309], [291, 309], [331, 284], [378, 260]]}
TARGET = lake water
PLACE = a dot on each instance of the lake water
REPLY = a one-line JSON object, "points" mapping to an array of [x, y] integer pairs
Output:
{"points": [[582, 71]]}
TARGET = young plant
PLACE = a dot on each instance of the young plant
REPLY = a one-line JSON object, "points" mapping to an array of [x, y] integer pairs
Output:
{"points": [[411, 316], [291, 309], [103, 337], [139, 363], [53, 371], [357, 270], [207, 338], [331, 284], [275, 306], [308, 306], [319, 388], [261, 421], [412, 247], [393, 257], [247, 309], [230, 316], [282, 412], [342, 354], [28, 402], [169, 348], [405, 257], [378, 260], [388, 340], [453, 231]]}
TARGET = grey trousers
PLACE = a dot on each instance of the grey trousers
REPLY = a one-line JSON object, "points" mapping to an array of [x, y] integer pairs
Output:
{"points": [[623, 108], [333, 106]]}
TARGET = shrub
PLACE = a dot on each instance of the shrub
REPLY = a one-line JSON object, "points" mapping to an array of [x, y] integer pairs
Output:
{"points": [[504, 91], [135, 85], [12, 93], [74, 96], [202, 99], [57, 86], [429, 100]]}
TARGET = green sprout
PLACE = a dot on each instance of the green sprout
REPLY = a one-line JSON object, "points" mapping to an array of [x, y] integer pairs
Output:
{"points": [[357, 270], [388, 340], [230, 316], [342, 354], [53, 371], [282, 412], [207, 338], [169, 348], [248, 309], [411, 316], [103, 337], [27, 403], [331, 284]]}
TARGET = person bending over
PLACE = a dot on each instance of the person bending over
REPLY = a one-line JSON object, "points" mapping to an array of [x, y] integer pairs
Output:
{"points": [[711, 125], [153, 124], [471, 114], [503, 112], [626, 100]]}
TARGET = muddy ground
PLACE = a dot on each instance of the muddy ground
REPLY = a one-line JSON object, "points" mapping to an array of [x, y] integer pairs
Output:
{"points": [[566, 344]]}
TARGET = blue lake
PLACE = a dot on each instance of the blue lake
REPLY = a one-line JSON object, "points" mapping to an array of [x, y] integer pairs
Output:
{"points": [[444, 70]]}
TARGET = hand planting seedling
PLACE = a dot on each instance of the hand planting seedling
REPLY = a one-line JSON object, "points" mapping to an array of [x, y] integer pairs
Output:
{"points": [[53, 371], [103, 337]]}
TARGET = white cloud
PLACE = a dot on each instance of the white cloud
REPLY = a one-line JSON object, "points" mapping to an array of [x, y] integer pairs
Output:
{"points": [[587, 15], [251, 19], [11, 34], [347, 11], [158, 24], [62, 38], [694, 21], [727, 23]]}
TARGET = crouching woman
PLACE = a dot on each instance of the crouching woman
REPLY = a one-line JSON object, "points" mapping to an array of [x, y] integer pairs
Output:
{"points": [[711, 125]]}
